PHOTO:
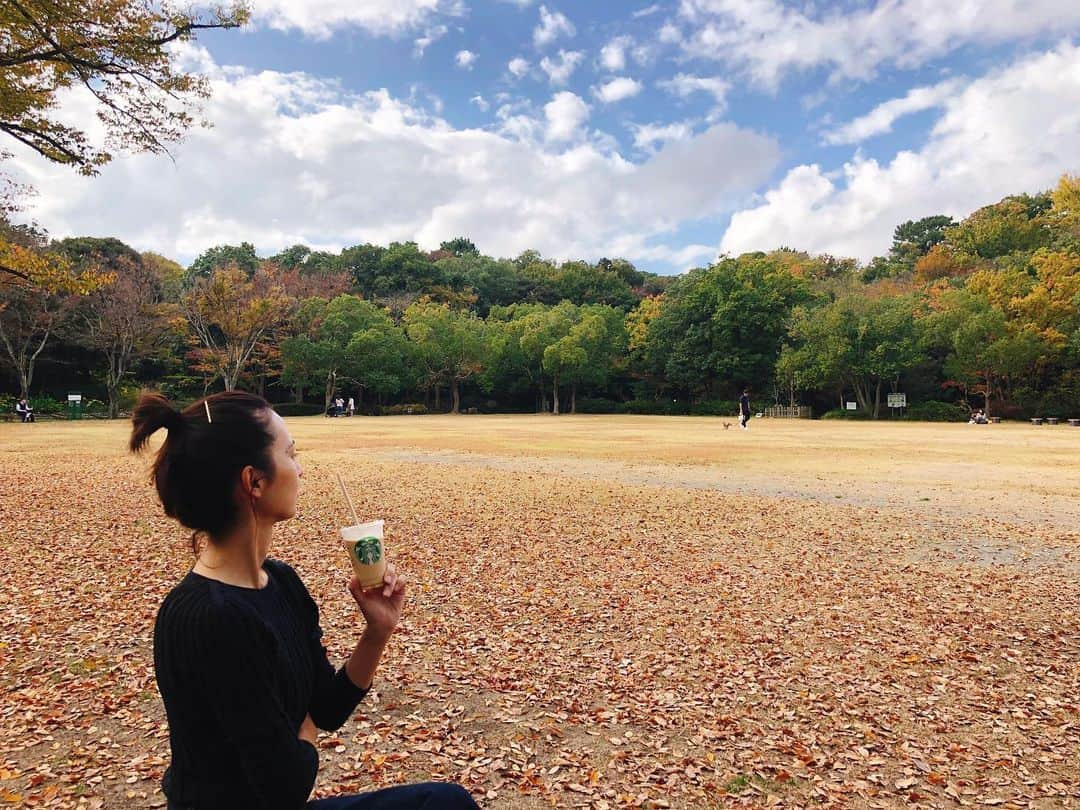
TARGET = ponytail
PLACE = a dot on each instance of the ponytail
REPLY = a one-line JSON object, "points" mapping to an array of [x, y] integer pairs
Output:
{"points": [[153, 412]]}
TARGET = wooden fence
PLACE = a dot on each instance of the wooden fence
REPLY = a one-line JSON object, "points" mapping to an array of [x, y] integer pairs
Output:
{"points": [[788, 411]]}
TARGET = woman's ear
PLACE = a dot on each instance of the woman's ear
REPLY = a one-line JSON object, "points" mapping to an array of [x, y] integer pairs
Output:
{"points": [[251, 482]]}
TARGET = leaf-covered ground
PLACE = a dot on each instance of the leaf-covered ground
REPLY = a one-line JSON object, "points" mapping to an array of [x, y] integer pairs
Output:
{"points": [[603, 612]]}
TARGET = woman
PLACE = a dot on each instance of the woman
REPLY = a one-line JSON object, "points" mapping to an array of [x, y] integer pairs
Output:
{"points": [[237, 645]]}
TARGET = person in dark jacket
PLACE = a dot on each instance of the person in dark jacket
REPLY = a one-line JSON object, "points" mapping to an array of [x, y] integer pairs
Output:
{"points": [[238, 653], [744, 408]]}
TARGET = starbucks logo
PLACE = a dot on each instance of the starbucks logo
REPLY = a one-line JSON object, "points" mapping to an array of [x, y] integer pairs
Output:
{"points": [[368, 550]]}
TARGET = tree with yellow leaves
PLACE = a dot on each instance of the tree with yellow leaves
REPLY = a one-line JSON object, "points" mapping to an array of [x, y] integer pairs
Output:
{"points": [[117, 52]]}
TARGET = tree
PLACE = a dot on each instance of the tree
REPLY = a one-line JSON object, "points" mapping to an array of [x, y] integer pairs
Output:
{"points": [[29, 316], [914, 239], [540, 329], [229, 314], [242, 257], [855, 341], [125, 320], [985, 354], [378, 358], [118, 52], [724, 324], [26, 259], [460, 246], [449, 345]]}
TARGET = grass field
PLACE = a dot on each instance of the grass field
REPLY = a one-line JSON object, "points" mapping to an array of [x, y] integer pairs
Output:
{"points": [[604, 611]]}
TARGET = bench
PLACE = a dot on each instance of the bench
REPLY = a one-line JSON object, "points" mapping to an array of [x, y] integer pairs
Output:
{"points": [[1074, 423], [995, 420], [1051, 420], [1036, 420]]}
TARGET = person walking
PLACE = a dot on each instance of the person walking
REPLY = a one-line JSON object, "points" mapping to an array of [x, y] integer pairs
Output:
{"points": [[744, 409], [350, 409], [238, 652]]}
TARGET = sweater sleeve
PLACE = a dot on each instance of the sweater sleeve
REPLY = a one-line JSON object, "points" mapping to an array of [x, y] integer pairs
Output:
{"points": [[240, 689], [334, 696]]}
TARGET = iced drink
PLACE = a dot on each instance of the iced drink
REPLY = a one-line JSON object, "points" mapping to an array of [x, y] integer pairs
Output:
{"points": [[365, 546]]}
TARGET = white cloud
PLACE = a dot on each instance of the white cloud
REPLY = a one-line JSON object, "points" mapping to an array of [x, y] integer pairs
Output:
{"points": [[669, 34], [518, 66], [613, 55], [646, 136], [559, 72], [647, 11], [553, 24], [770, 38], [480, 102], [282, 162], [1016, 129], [565, 114], [617, 89], [880, 119], [685, 85], [465, 59], [420, 44], [321, 19]]}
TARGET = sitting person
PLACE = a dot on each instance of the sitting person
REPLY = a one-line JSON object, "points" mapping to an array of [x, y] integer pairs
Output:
{"points": [[238, 653], [978, 418], [25, 410]]}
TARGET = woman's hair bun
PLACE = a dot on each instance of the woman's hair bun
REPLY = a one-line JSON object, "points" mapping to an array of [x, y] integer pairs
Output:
{"points": [[153, 412]]}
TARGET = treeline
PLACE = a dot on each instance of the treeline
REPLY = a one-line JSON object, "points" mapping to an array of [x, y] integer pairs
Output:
{"points": [[984, 312]]}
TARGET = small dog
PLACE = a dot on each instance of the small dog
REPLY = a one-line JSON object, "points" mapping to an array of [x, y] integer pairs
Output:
{"points": [[726, 425]]}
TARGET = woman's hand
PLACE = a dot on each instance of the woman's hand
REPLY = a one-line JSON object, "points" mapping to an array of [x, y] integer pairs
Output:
{"points": [[307, 731], [381, 606]]}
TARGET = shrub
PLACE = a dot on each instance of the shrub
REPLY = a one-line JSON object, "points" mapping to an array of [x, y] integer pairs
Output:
{"points": [[661, 407], [597, 405], [843, 413], [714, 407], [47, 405], [297, 409], [407, 408], [934, 411]]}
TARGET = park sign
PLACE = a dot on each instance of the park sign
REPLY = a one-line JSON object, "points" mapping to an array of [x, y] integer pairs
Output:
{"points": [[897, 400]]}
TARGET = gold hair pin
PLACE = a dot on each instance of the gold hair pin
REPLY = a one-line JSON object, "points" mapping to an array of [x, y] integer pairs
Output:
{"points": [[206, 405]]}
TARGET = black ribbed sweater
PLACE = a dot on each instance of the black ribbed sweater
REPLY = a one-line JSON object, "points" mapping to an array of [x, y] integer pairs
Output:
{"points": [[238, 668]]}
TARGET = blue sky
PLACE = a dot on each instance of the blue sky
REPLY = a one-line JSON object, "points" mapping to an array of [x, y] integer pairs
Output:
{"points": [[663, 132]]}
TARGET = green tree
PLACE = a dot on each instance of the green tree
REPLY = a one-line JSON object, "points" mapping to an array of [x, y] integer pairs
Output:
{"points": [[723, 325], [241, 257], [460, 246], [449, 346], [856, 342]]}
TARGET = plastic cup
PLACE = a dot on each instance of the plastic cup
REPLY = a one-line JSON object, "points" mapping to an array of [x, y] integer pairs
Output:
{"points": [[364, 544]]}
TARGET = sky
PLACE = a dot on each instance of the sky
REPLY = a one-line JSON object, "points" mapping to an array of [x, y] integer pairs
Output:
{"points": [[666, 133]]}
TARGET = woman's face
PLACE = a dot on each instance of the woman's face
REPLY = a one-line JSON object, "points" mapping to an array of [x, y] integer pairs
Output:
{"points": [[278, 501]]}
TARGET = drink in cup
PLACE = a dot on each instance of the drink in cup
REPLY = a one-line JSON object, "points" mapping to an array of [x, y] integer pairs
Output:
{"points": [[364, 543]]}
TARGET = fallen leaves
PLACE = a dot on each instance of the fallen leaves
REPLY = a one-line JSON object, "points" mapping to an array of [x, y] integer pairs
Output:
{"points": [[568, 641]]}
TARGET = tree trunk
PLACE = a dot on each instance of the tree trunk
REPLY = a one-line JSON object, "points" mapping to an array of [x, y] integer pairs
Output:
{"points": [[555, 395], [573, 398], [438, 403], [543, 396], [114, 402], [456, 394], [298, 394], [877, 399], [331, 386]]}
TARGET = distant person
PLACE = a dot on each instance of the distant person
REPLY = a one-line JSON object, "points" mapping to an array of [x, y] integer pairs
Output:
{"points": [[350, 409], [239, 656], [25, 411], [744, 409], [979, 418]]}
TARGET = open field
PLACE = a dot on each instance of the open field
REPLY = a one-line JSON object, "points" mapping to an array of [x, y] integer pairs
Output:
{"points": [[604, 611]]}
